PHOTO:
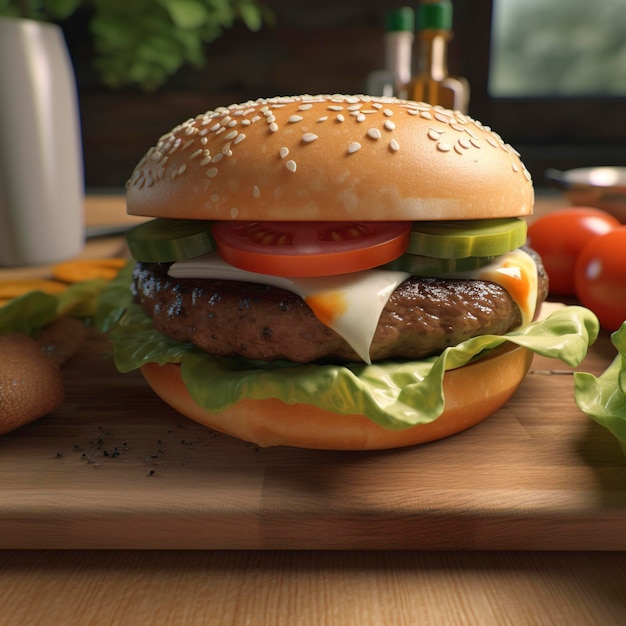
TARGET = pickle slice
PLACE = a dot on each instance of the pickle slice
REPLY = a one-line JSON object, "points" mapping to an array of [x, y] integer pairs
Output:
{"points": [[467, 238], [418, 265], [164, 240]]}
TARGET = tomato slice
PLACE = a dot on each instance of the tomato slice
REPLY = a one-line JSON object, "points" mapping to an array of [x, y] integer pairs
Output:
{"points": [[310, 248]]}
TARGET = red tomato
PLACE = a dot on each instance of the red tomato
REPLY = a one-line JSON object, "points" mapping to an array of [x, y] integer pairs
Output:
{"points": [[560, 236], [310, 248], [601, 277]]}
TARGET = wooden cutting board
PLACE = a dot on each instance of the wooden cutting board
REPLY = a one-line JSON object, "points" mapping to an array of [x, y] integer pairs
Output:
{"points": [[116, 468]]}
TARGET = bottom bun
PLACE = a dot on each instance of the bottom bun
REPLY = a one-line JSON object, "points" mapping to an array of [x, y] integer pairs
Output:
{"points": [[472, 393]]}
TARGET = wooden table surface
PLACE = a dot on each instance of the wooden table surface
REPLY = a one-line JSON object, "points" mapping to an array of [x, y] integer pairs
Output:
{"points": [[517, 521]]}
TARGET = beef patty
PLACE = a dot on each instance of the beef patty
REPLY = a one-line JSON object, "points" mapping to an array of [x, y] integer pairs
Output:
{"points": [[422, 317]]}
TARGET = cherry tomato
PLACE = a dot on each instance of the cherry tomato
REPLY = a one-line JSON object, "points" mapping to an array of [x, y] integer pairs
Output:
{"points": [[560, 236], [601, 277], [310, 248]]}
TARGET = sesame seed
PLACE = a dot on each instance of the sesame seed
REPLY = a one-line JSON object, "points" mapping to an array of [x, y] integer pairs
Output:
{"points": [[245, 122], [212, 172], [231, 135], [491, 141], [389, 125], [354, 147], [291, 165], [217, 158], [206, 160], [239, 138], [515, 167], [323, 118], [182, 168], [256, 192], [434, 134], [234, 212], [335, 108], [377, 105], [394, 146], [360, 117], [305, 107], [464, 143], [340, 118], [195, 154], [442, 146], [354, 107], [426, 115], [215, 127], [387, 112], [295, 118], [273, 127], [232, 123], [374, 133], [256, 118], [309, 137], [284, 151]]}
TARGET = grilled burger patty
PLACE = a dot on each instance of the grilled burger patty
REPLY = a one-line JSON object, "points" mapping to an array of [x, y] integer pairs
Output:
{"points": [[422, 317]]}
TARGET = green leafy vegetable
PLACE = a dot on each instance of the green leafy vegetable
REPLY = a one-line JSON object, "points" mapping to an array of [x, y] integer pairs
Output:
{"points": [[145, 41], [603, 398], [31, 312], [394, 394]]}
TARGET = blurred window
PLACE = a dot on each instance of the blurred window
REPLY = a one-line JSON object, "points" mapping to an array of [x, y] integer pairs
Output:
{"points": [[558, 48], [548, 75]]}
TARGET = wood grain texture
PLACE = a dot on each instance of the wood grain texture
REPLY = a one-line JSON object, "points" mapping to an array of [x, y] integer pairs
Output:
{"points": [[114, 467], [313, 588]]}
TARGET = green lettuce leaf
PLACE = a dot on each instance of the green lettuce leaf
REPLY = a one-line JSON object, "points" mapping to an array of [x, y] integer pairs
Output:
{"points": [[603, 398], [394, 394], [29, 313]]}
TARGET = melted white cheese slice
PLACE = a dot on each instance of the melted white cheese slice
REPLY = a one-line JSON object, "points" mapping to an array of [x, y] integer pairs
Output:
{"points": [[516, 271], [351, 304]]}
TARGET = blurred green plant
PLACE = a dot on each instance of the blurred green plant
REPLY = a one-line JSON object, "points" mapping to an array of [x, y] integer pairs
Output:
{"points": [[143, 42]]}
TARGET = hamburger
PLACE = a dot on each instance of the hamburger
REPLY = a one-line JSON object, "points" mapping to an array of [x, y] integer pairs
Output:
{"points": [[334, 271]]}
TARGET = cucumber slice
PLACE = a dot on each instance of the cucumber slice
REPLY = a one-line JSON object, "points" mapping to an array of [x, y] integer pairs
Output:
{"points": [[418, 265], [467, 238], [164, 240]]}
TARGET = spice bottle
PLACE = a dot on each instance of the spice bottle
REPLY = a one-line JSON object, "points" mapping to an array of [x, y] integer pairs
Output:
{"points": [[399, 38], [431, 82]]}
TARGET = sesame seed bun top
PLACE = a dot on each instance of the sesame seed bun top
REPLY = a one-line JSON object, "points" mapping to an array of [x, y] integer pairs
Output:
{"points": [[330, 157]]}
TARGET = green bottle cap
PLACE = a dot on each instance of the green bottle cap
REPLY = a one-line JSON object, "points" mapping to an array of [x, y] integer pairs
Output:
{"points": [[402, 19], [435, 15]]}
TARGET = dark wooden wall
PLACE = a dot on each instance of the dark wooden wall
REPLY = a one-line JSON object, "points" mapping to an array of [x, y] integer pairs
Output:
{"points": [[326, 46]]}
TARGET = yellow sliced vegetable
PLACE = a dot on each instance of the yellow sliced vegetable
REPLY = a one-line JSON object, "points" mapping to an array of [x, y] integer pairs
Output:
{"points": [[78, 270], [12, 288]]}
